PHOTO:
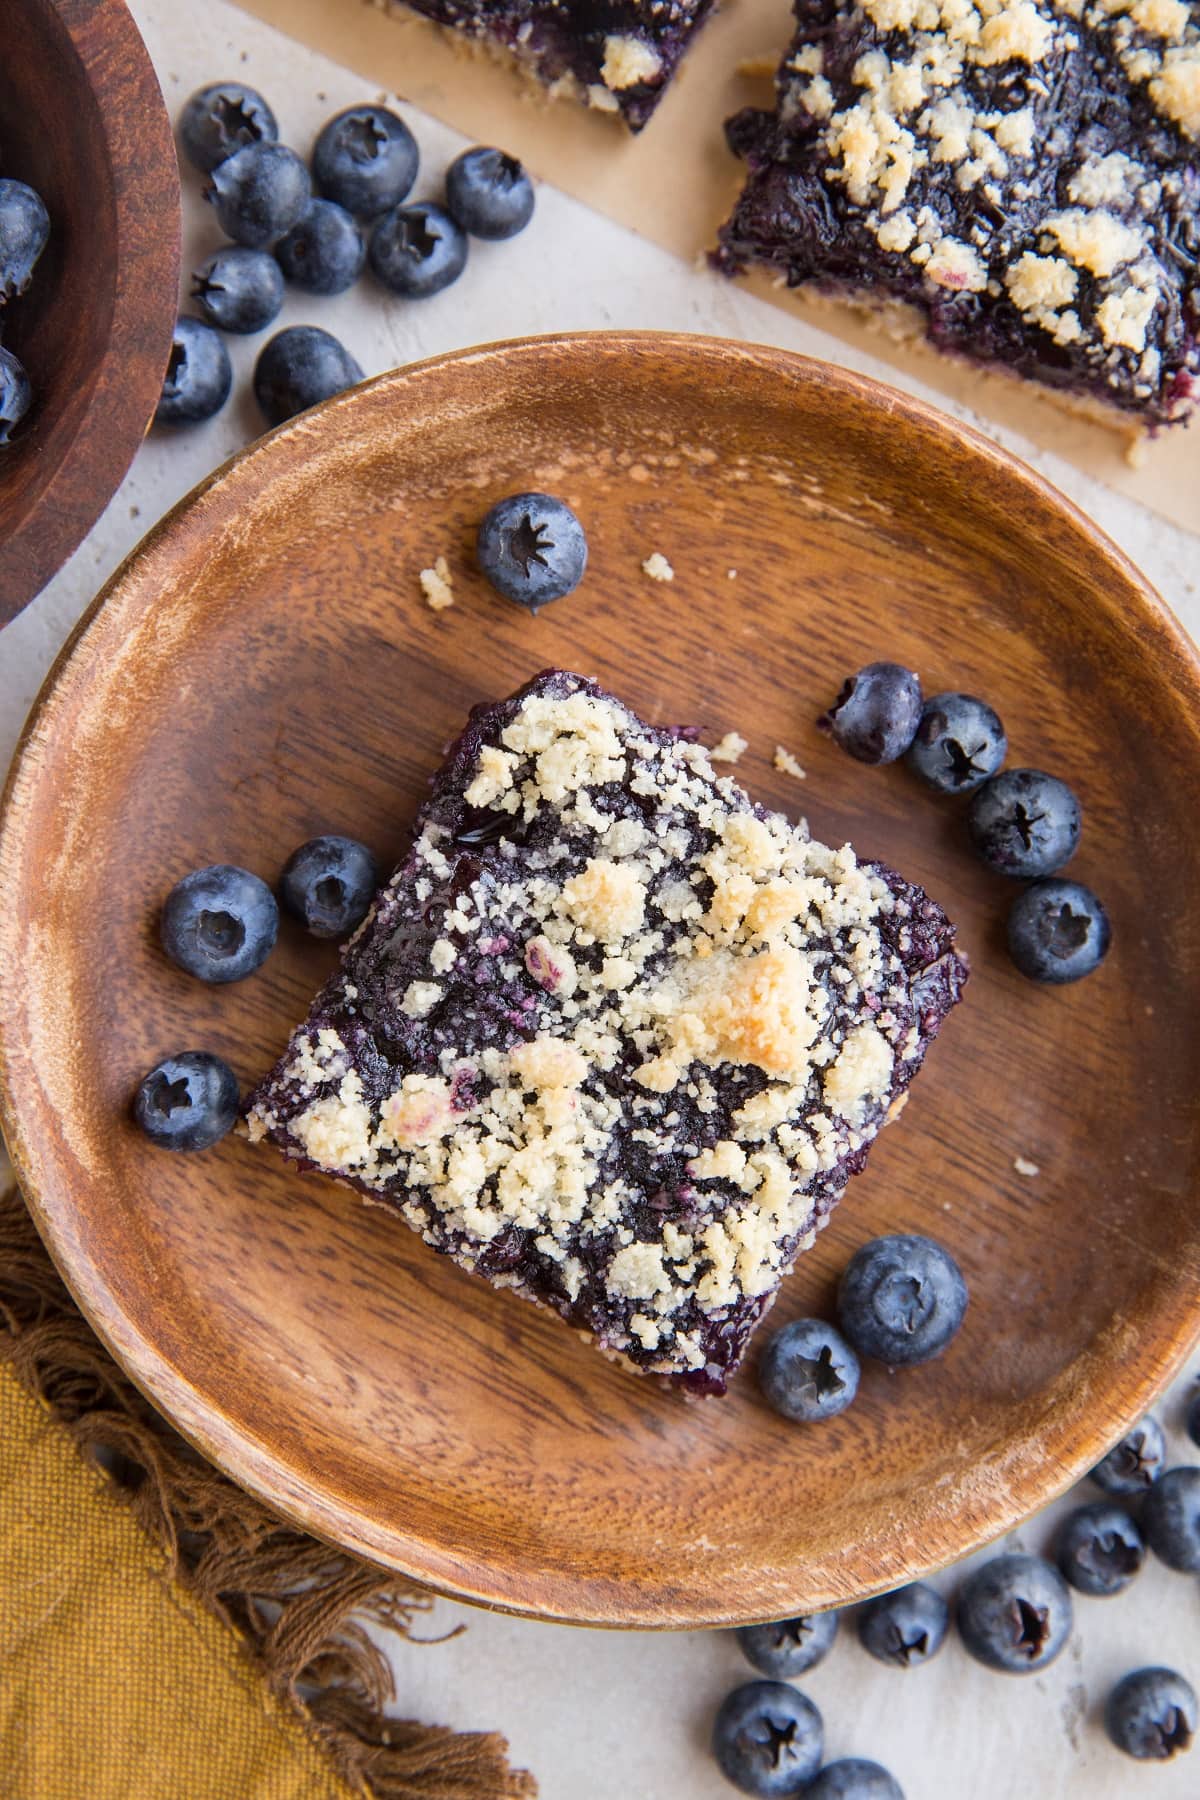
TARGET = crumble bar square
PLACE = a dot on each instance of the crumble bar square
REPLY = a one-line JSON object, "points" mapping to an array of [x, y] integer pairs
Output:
{"points": [[613, 1036]]}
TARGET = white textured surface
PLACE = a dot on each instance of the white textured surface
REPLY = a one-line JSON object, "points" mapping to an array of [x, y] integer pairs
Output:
{"points": [[614, 1716]]}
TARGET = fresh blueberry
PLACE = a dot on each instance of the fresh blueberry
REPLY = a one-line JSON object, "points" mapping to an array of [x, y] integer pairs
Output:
{"points": [[1191, 1418], [960, 743], [875, 717], [904, 1628], [1171, 1519], [1024, 823], [1058, 931], [198, 378], [808, 1371], [298, 368], [789, 1646], [259, 193], [1014, 1614], [901, 1299], [325, 252], [1133, 1465], [238, 289], [328, 884], [219, 923], [532, 549], [16, 394], [854, 1778], [1100, 1549], [1151, 1714], [24, 228], [221, 119], [418, 250], [366, 159], [187, 1102], [489, 193], [768, 1739]]}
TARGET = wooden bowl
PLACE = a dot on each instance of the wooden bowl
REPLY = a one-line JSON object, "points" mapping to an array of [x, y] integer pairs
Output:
{"points": [[265, 668], [82, 120]]}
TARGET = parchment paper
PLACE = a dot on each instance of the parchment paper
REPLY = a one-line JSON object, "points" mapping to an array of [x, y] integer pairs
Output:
{"points": [[675, 183]]}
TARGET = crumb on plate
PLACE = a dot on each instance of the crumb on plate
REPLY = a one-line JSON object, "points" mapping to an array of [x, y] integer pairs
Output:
{"points": [[731, 747], [786, 763], [436, 586], [658, 568], [1023, 1166]]}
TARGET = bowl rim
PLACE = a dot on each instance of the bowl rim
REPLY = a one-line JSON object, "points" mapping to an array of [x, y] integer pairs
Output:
{"points": [[255, 1465], [147, 256]]}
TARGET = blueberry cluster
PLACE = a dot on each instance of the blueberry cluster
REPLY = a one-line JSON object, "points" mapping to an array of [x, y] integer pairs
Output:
{"points": [[901, 1300], [1022, 823], [220, 924], [317, 227], [24, 230], [1013, 1613]]}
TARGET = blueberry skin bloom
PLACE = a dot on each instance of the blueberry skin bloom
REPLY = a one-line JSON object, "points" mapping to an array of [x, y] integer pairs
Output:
{"points": [[1058, 932], [960, 743], [532, 549], [198, 378], [1171, 1519], [875, 717], [1151, 1714], [222, 118], [325, 251], [24, 229], [768, 1739], [301, 366], [1024, 823], [789, 1646], [219, 923], [1100, 1549], [328, 884], [901, 1299], [259, 193], [16, 394], [808, 1371], [854, 1778], [489, 193], [366, 159], [416, 251], [187, 1102], [1132, 1467], [904, 1628], [1014, 1614], [238, 289]]}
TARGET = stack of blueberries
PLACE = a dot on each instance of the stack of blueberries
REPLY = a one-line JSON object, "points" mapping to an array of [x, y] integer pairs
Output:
{"points": [[24, 230], [317, 229]]}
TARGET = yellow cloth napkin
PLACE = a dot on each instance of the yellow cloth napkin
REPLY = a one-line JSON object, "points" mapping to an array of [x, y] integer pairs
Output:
{"points": [[115, 1684]]}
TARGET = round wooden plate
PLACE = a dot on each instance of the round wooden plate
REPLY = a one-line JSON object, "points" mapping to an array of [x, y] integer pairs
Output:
{"points": [[265, 668]]}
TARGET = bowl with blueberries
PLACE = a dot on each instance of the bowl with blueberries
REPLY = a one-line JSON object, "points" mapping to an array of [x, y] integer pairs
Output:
{"points": [[88, 274]]}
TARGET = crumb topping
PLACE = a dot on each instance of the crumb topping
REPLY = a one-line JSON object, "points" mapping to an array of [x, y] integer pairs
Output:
{"points": [[657, 567], [730, 749], [708, 1014]]}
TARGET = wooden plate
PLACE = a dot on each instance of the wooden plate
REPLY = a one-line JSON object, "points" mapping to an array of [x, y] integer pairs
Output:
{"points": [[82, 119], [265, 668]]}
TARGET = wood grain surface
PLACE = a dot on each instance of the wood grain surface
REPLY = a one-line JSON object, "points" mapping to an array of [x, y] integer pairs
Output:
{"points": [[82, 120], [265, 668]]}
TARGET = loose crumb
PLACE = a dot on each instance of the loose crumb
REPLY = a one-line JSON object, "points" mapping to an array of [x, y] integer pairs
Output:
{"points": [[730, 748], [658, 568], [436, 587], [1023, 1166], [732, 574], [786, 763]]}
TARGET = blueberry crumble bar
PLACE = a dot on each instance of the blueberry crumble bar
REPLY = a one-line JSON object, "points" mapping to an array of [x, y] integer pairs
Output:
{"points": [[1025, 173], [612, 1035], [616, 56]]}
